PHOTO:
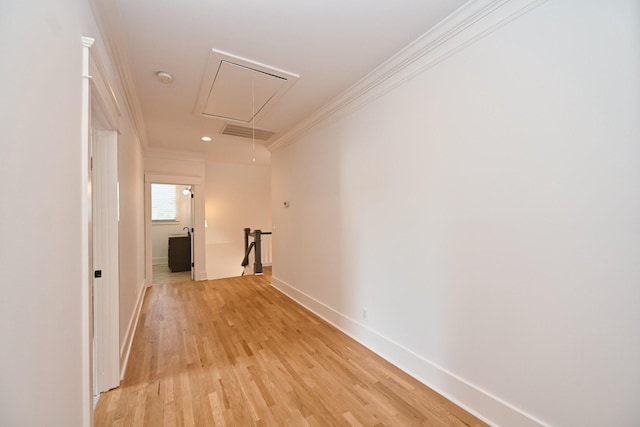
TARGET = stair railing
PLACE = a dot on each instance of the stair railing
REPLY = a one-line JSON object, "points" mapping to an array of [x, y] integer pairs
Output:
{"points": [[257, 245]]}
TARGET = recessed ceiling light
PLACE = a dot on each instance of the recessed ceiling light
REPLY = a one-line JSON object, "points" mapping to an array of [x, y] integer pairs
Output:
{"points": [[164, 77], [206, 138]]}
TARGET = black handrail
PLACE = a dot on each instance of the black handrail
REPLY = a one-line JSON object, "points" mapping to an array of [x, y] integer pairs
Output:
{"points": [[253, 233], [245, 260], [257, 244]]}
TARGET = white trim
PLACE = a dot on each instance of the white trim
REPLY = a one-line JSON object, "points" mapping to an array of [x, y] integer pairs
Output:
{"points": [[85, 262], [87, 42], [127, 343], [153, 178], [106, 98], [199, 251], [111, 28], [473, 399], [467, 25]]}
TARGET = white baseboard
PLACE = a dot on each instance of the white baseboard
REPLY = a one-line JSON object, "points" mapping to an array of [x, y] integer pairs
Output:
{"points": [[160, 260], [480, 403], [125, 348]]}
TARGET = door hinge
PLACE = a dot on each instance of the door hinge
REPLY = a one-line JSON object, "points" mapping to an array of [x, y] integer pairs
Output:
{"points": [[193, 264], [97, 274]]}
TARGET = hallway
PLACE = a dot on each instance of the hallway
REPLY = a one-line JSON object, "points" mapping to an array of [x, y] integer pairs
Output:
{"points": [[237, 352]]}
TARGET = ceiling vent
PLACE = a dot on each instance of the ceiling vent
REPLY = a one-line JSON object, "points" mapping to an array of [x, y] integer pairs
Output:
{"points": [[246, 132], [237, 89]]}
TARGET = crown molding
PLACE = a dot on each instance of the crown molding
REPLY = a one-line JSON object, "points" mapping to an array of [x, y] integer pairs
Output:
{"points": [[470, 23], [88, 41], [111, 27], [102, 91]]}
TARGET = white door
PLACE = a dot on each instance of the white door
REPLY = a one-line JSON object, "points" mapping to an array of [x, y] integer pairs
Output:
{"points": [[105, 260]]}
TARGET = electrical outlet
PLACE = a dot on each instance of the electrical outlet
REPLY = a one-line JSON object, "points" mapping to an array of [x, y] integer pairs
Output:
{"points": [[365, 313]]}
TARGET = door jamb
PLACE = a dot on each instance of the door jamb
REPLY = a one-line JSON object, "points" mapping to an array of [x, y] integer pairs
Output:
{"points": [[95, 89], [199, 272]]}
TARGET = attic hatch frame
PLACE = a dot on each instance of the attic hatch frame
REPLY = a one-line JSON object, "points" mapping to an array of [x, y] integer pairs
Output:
{"points": [[219, 59]]}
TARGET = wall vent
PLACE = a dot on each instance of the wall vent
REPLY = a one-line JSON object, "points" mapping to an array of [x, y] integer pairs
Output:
{"points": [[246, 132]]}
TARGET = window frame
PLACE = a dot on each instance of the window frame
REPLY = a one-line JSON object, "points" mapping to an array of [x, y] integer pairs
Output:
{"points": [[166, 198]]}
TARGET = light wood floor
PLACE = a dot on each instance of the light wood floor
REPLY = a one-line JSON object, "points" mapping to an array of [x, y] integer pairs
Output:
{"points": [[162, 275], [236, 352]]}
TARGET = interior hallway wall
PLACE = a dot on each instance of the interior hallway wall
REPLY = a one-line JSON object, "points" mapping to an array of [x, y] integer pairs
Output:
{"points": [[237, 196], [131, 232], [42, 240], [486, 216]]}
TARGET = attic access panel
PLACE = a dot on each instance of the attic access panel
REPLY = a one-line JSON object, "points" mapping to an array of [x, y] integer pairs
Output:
{"points": [[237, 89]]}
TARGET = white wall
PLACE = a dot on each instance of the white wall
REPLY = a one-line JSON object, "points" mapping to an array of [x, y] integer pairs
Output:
{"points": [[162, 230], [237, 196], [174, 163], [487, 214], [40, 256], [40, 155], [131, 233]]}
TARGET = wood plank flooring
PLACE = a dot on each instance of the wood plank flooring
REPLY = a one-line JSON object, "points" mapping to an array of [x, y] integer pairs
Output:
{"points": [[236, 352], [162, 275]]}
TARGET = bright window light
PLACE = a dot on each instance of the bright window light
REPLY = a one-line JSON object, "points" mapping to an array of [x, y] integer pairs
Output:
{"points": [[163, 202]]}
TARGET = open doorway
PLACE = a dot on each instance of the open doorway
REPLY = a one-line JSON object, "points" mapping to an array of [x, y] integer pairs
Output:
{"points": [[195, 209], [171, 233]]}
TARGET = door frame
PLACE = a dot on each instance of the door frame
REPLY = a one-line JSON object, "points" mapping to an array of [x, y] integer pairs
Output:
{"points": [[98, 104], [197, 236]]}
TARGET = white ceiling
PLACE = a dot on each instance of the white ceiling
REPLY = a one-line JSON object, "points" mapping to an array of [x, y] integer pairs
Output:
{"points": [[330, 44]]}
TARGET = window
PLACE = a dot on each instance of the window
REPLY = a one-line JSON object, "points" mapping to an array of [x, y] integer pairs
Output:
{"points": [[163, 202]]}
